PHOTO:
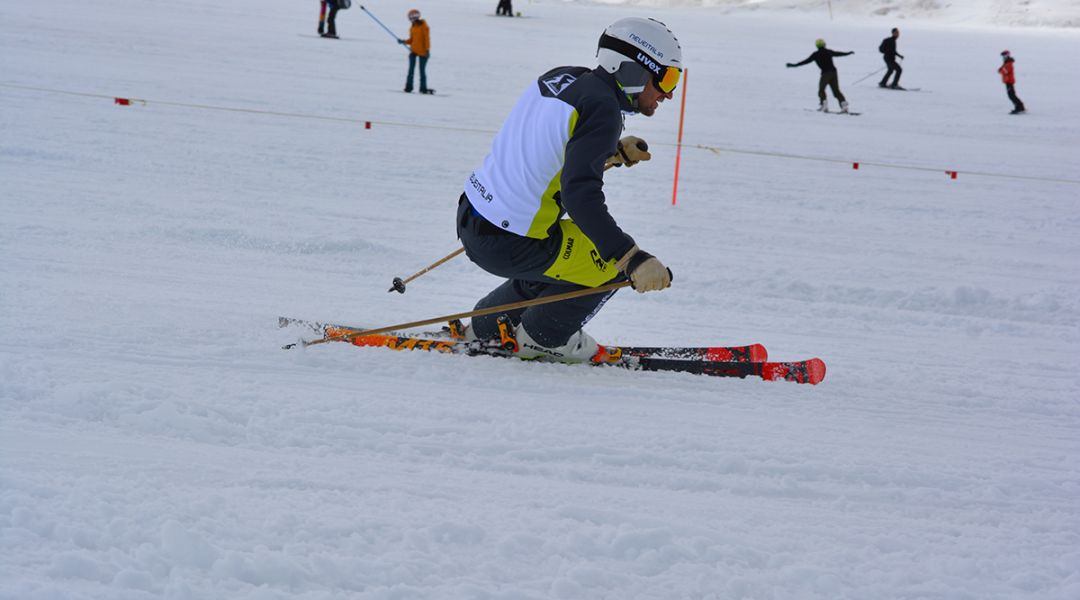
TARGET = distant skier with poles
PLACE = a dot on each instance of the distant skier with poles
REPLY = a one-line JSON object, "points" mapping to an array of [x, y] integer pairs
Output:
{"points": [[1008, 77], [548, 160], [829, 77], [329, 21], [419, 44], [888, 48]]}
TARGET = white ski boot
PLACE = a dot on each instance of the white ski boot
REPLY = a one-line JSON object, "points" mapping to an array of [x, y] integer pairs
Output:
{"points": [[581, 347], [843, 107], [824, 107]]}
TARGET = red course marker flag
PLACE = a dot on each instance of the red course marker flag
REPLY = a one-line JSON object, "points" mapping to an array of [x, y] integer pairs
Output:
{"points": [[678, 148]]}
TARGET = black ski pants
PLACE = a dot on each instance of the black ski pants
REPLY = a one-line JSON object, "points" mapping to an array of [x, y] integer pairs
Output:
{"points": [[1017, 103], [893, 67], [504, 8], [331, 28], [832, 80], [522, 261]]}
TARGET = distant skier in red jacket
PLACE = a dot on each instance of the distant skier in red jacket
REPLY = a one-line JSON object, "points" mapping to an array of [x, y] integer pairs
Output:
{"points": [[1008, 77]]}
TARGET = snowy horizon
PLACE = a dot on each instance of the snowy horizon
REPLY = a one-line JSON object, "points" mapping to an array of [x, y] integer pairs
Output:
{"points": [[157, 442], [968, 13]]}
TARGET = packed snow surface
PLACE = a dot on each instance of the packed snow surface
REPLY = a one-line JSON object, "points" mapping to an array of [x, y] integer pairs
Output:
{"points": [[156, 442]]}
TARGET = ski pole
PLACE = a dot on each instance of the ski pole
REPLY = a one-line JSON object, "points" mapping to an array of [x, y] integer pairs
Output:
{"points": [[399, 283], [473, 313], [874, 73], [396, 38]]}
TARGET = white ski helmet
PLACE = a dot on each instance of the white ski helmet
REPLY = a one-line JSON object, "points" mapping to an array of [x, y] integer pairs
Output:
{"points": [[636, 49]]}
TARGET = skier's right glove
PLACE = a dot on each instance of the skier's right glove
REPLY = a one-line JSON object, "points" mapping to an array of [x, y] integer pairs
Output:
{"points": [[646, 272], [629, 151]]}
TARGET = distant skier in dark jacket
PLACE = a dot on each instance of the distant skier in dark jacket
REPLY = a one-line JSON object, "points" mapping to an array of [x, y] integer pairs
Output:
{"points": [[504, 8], [888, 48], [823, 57], [1008, 77]]}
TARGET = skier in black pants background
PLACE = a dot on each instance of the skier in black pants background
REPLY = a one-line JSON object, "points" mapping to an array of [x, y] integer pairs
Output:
{"points": [[504, 8], [1008, 77], [888, 48], [829, 77], [331, 25]]}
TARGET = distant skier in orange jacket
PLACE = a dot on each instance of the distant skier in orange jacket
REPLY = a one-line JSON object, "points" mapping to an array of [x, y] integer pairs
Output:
{"points": [[1008, 77], [419, 44]]}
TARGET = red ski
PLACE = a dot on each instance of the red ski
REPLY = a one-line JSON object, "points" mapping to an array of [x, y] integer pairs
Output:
{"points": [[736, 361]]}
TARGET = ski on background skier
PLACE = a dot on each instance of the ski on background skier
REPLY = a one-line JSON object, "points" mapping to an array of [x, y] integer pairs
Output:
{"points": [[830, 112]]}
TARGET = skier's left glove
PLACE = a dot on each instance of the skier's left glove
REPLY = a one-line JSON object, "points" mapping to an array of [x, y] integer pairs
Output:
{"points": [[630, 151]]}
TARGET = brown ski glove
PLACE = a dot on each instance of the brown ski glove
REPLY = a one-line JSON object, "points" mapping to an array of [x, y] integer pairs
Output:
{"points": [[630, 151], [646, 272]]}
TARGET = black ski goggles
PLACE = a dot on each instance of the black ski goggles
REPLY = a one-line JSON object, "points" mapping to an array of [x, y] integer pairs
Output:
{"points": [[665, 78]]}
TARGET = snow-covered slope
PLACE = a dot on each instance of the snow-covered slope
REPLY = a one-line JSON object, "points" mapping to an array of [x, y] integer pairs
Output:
{"points": [[968, 13], [155, 442]]}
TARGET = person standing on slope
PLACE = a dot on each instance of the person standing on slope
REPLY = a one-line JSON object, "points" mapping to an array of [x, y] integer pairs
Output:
{"points": [[823, 57], [547, 161], [888, 48], [328, 22], [504, 8], [1008, 77], [419, 44]]}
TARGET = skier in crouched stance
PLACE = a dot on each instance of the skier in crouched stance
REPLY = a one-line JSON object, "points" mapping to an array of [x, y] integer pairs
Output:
{"points": [[547, 161]]}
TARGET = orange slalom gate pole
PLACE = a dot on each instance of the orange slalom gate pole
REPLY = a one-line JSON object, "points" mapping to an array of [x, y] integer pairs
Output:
{"points": [[678, 148]]}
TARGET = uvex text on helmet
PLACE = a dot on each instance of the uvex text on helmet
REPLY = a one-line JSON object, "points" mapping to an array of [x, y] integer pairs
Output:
{"points": [[635, 49]]}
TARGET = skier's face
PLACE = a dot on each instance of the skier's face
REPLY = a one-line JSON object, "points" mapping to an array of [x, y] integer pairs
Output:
{"points": [[650, 98]]}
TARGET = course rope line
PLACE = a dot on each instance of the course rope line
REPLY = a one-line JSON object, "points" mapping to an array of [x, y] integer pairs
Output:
{"points": [[367, 123], [718, 150], [142, 101]]}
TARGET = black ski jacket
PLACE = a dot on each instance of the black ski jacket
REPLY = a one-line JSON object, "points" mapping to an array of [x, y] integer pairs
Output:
{"points": [[888, 48], [823, 58], [548, 160]]}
